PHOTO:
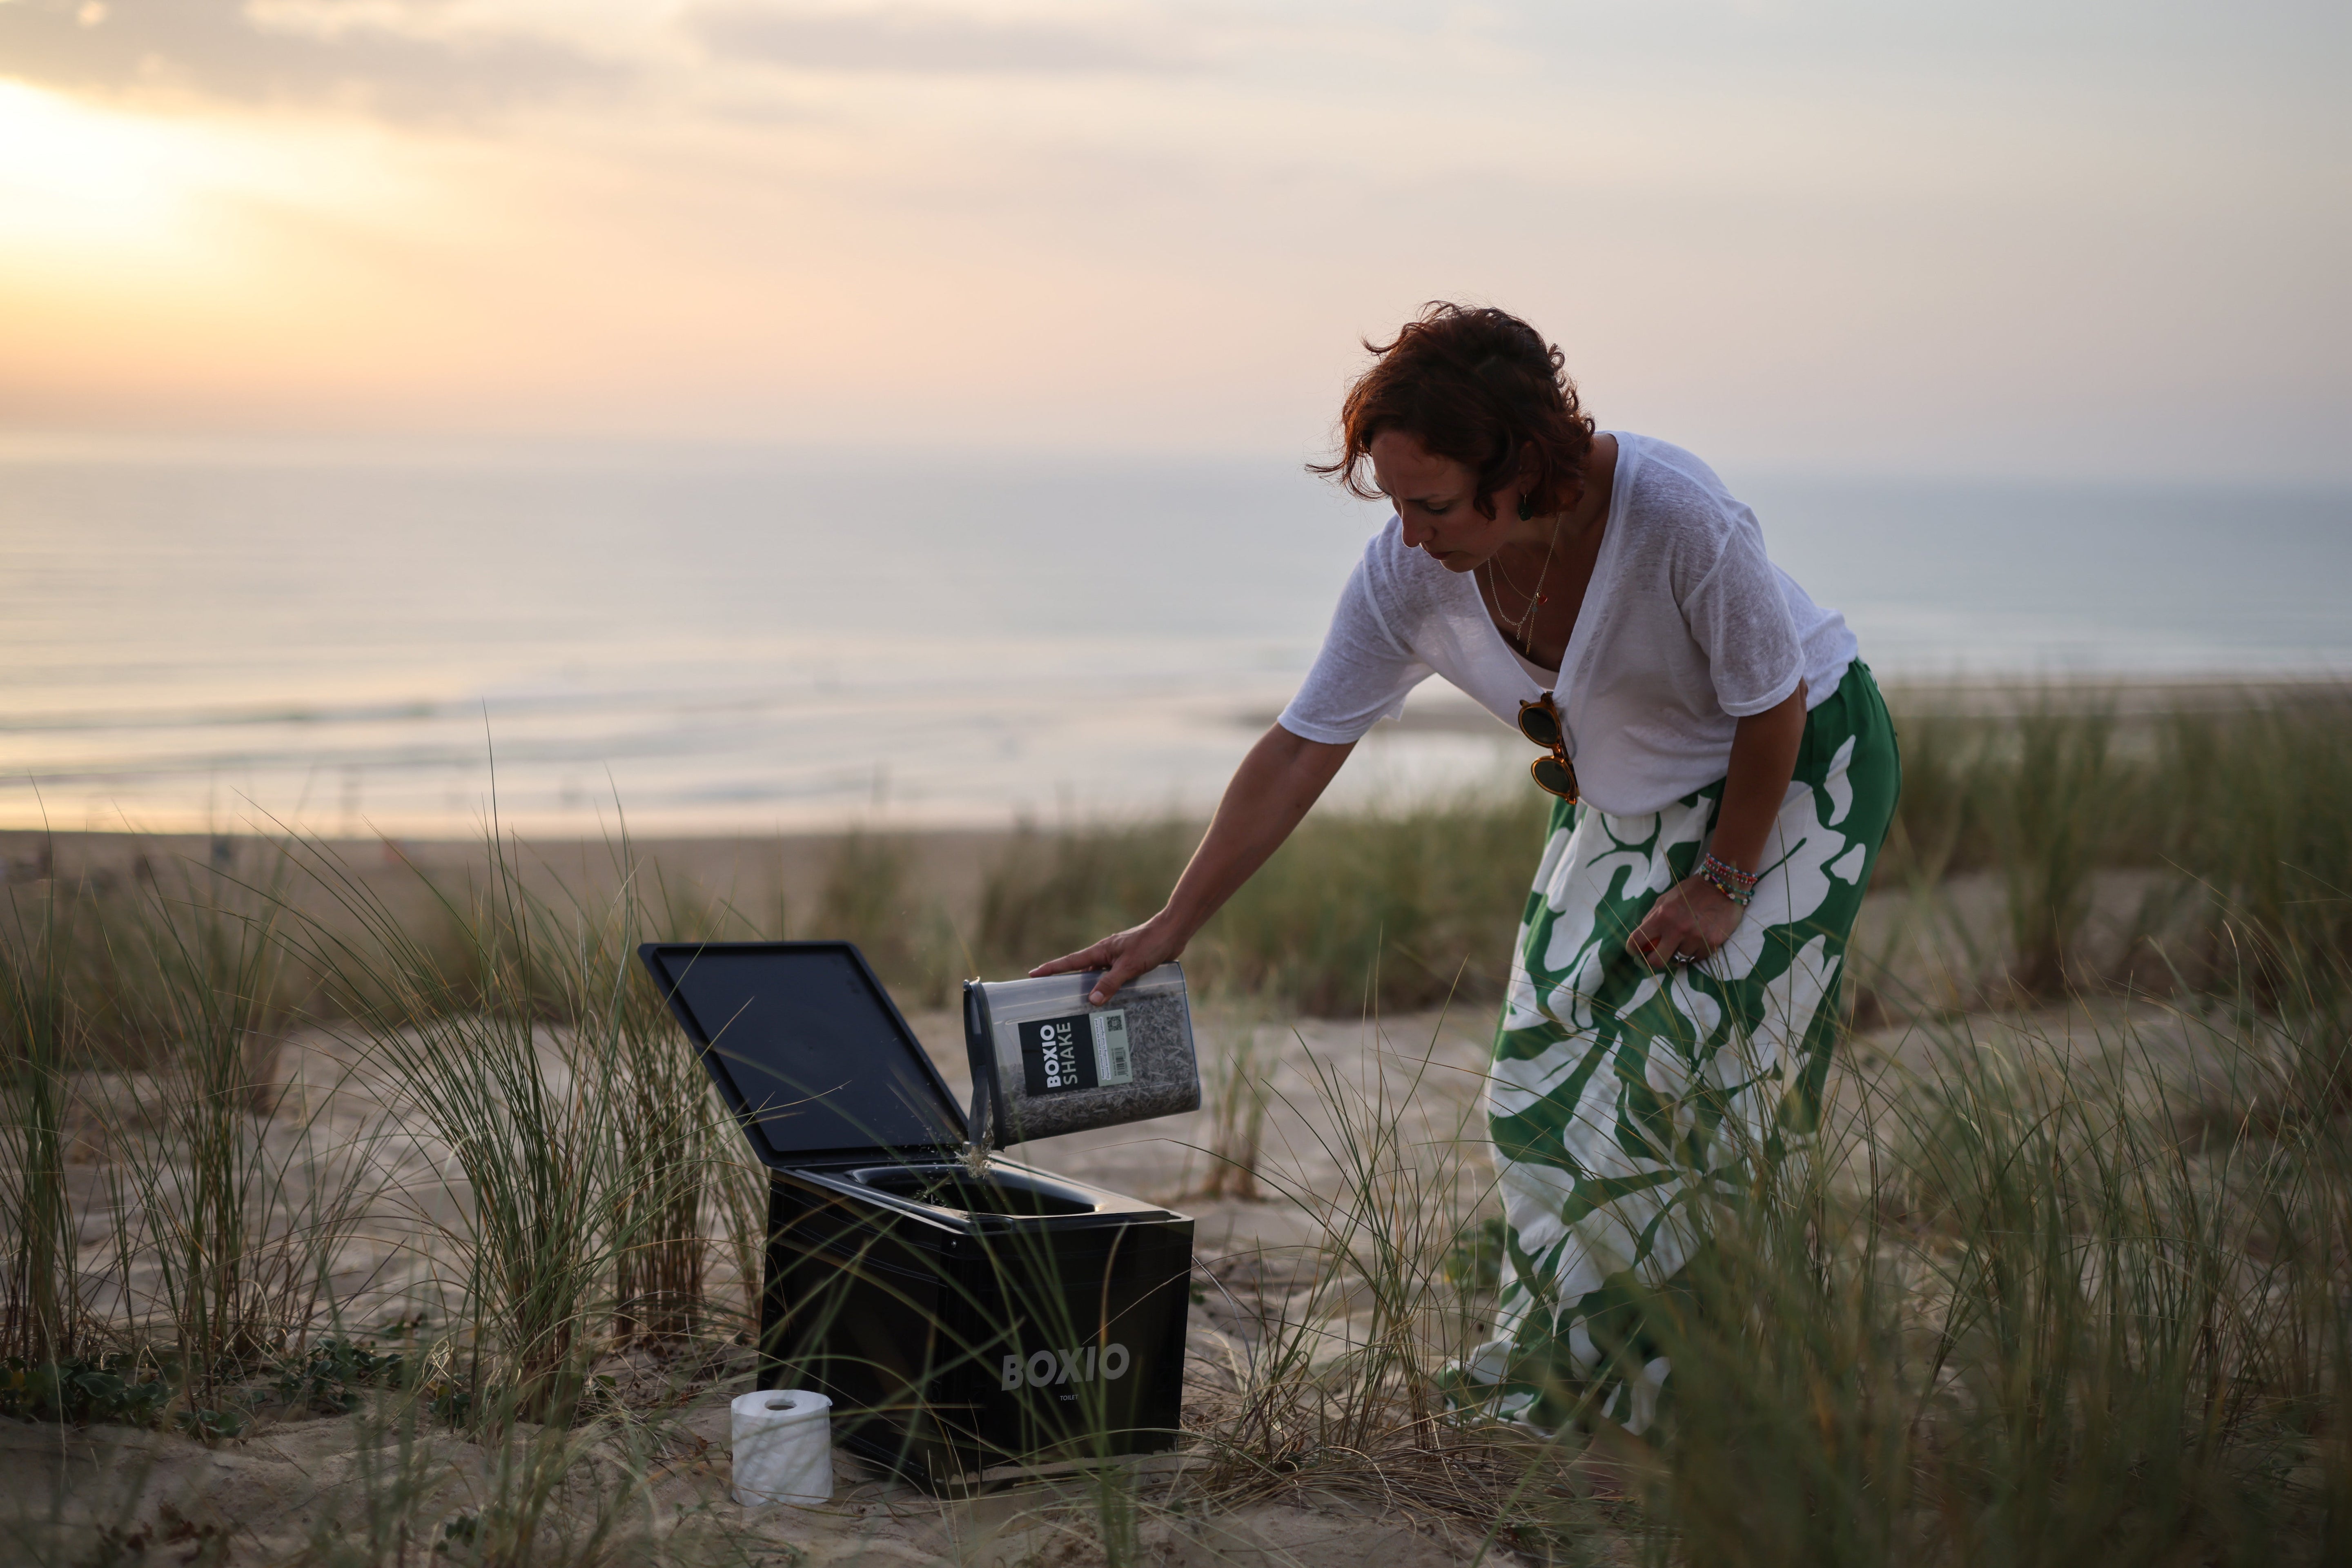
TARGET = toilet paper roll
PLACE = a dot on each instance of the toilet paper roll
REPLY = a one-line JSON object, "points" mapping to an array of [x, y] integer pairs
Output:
{"points": [[784, 1448]]}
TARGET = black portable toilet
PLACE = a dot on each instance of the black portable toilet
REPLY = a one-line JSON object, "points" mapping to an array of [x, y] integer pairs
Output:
{"points": [[964, 1327]]}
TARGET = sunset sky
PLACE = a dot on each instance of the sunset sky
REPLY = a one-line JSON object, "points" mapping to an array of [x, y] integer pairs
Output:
{"points": [[2092, 238]]}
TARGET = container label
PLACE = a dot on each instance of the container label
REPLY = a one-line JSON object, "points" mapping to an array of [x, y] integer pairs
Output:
{"points": [[1085, 1051], [1112, 1064], [1056, 1054], [1045, 1368]]}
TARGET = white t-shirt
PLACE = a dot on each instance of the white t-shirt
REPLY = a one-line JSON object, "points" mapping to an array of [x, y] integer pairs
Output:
{"points": [[1687, 628]]}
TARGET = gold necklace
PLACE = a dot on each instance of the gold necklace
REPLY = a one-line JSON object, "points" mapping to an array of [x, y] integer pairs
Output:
{"points": [[1535, 600]]}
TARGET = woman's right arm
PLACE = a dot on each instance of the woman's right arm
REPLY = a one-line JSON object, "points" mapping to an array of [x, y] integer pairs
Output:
{"points": [[1271, 791]]}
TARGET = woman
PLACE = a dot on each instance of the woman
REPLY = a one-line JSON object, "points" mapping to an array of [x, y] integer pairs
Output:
{"points": [[1723, 771]]}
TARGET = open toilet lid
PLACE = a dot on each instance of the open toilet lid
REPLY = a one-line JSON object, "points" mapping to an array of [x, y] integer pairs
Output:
{"points": [[808, 1050]]}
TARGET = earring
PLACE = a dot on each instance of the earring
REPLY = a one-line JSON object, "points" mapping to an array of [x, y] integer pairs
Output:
{"points": [[1527, 512]]}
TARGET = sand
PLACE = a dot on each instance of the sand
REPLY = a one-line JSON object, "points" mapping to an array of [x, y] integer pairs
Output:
{"points": [[280, 1495]]}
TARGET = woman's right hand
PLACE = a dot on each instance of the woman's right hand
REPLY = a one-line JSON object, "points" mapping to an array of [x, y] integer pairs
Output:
{"points": [[1121, 956]]}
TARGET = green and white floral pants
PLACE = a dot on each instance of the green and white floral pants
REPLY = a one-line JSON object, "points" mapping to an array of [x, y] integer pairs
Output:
{"points": [[1628, 1103]]}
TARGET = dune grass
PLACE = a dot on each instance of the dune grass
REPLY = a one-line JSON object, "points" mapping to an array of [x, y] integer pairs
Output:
{"points": [[141, 1033], [2242, 818], [2042, 1291], [41, 1316]]}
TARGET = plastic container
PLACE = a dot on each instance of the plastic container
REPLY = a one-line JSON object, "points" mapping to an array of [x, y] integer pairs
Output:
{"points": [[1044, 1063]]}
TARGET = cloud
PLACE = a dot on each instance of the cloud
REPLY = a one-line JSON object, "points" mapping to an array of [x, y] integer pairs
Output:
{"points": [[384, 58], [925, 41]]}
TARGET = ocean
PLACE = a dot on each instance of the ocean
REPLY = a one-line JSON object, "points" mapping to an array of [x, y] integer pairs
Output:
{"points": [[359, 642]]}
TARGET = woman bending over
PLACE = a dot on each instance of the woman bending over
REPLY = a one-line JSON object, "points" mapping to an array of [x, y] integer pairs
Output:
{"points": [[1722, 770]]}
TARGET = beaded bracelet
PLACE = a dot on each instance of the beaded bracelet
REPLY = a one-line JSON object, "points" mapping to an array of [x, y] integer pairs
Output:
{"points": [[1732, 873], [1729, 880]]}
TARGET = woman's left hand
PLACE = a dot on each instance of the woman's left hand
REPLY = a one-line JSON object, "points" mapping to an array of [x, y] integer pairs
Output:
{"points": [[1688, 923]]}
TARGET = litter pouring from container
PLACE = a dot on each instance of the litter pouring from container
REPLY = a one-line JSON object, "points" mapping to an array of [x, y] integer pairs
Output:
{"points": [[1043, 1062]]}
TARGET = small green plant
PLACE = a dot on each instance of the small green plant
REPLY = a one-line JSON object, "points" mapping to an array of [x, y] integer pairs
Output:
{"points": [[117, 1390], [225, 1419], [196, 1544], [453, 1404], [328, 1379]]}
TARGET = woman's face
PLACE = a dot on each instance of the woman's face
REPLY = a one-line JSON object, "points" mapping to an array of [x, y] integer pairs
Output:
{"points": [[1433, 497]]}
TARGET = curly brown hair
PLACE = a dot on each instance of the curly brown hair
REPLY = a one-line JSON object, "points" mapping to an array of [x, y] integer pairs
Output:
{"points": [[1479, 386]]}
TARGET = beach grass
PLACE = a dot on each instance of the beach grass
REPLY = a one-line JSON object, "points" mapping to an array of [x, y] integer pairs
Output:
{"points": [[44, 1322], [2233, 821], [2067, 1282]]}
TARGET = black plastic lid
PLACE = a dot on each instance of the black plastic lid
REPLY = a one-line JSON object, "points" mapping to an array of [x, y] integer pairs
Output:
{"points": [[808, 1049]]}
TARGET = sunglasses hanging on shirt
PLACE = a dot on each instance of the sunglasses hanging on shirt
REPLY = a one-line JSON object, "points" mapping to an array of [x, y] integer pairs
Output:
{"points": [[1539, 723]]}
